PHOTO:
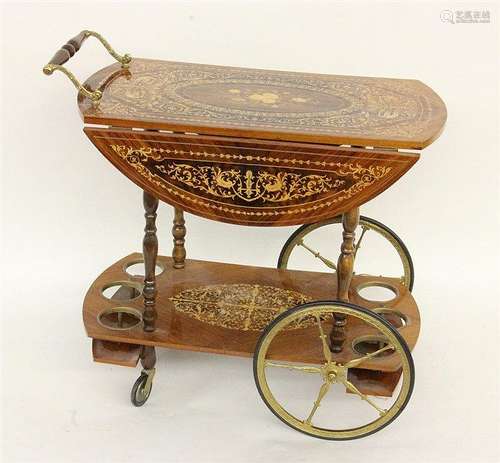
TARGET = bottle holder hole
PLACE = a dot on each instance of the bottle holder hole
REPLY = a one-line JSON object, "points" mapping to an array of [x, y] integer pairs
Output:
{"points": [[394, 317], [120, 318], [121, 290], [375, 291], [136, 268], [368, 344]]}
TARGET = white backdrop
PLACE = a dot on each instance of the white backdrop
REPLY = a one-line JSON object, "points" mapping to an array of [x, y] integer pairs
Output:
{"points": [[67, 215]]}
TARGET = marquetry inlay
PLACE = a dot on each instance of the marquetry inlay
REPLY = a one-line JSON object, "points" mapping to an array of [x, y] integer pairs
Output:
{"points": [[229, 100], [242, 184], [239, 306]]}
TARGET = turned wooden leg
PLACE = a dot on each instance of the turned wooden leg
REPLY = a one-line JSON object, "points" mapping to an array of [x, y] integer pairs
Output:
{"points": [[150, 252], [345, 265], [179, 232]]}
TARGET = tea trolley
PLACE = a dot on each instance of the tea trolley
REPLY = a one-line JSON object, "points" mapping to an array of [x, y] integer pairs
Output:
{"points": [[262, 148]]}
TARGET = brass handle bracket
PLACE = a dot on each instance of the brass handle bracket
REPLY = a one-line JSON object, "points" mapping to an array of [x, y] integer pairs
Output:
{"points": [[70, 48], [96, 95]]}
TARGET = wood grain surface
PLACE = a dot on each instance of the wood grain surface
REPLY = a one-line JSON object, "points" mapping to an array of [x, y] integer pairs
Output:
{"points": [[272, 105], [222, 308], [250, 182], [116, 353]]}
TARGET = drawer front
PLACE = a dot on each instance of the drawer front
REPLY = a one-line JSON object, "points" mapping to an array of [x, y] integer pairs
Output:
{"points": [[250, 182]]}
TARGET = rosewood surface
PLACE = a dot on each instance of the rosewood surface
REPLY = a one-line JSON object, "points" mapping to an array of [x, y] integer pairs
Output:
{"points": [[179, 234], [251, 182], [116, 353], [222, 308], [273, 105], [150, 252]]}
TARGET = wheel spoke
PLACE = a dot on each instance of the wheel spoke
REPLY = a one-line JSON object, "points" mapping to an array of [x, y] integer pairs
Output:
{"points": [[316, 254], [322, 392], [326, 348], [303, 368], [358, 244], [354, 389], [356, 362]]}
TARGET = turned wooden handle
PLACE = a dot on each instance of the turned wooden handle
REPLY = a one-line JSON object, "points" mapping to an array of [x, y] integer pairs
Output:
{"points": [[74, 44], [69, 49]]}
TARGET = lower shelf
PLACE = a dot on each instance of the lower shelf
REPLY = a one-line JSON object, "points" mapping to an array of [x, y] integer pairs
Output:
{"points": [[222, 308]]}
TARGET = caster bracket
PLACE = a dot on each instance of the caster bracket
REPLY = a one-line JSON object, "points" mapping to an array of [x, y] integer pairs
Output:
{"points": [[149, 382]]}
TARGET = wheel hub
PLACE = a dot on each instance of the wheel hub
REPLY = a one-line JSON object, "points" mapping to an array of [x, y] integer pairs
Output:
{"points": [[334, 373]]}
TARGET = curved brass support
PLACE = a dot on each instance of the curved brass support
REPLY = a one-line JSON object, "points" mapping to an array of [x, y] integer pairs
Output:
{"points": [[123, 60], [50, 68], [70, 48]]}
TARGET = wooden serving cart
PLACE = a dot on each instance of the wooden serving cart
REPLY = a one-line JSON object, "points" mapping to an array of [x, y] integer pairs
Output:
{"points": [[262, 148]]}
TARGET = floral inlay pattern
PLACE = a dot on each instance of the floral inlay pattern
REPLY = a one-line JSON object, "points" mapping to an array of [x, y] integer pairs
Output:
{"points": [[346, 106], [239, 306]]}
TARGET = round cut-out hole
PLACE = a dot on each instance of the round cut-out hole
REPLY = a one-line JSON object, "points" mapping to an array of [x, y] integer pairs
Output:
{"points": [[121, 291], [370, 344], [377, 292], [394, 317], [136, 268], [119, 318]]}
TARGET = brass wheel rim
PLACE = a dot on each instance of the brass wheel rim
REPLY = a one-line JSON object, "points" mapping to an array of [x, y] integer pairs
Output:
{"points": [[319, 311], [366, 225]]}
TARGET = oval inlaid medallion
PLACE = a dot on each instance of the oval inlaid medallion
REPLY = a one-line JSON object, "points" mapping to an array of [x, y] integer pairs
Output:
{"points": [[239, 306], [277, 105], [260, 97]]}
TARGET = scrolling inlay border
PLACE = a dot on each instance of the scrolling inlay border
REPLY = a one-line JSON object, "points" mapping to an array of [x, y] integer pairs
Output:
{"points": [[362, 176]]}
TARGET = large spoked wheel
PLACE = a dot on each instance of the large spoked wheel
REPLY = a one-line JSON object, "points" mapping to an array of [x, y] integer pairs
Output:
{"points": [[296, 372], [307, 237]]}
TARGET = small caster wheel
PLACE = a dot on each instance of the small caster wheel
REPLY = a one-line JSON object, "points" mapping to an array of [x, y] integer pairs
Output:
{"points": [[141, 389]]}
